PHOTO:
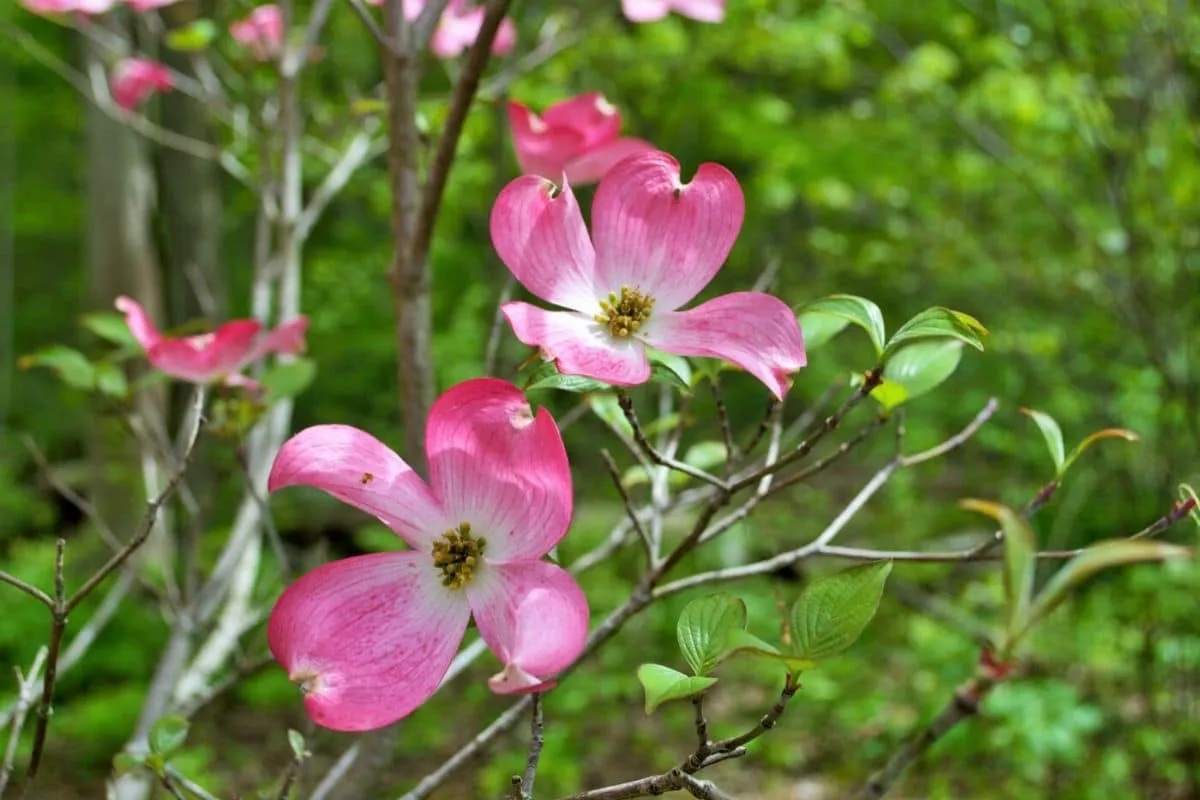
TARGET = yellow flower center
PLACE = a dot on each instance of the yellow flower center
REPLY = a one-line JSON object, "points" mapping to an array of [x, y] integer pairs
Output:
{"points": [[626, 313], [456, 554]]}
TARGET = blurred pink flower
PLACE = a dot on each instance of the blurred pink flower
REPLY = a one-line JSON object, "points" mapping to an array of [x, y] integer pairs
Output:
{"points": [[579, 137], [261, 33], [657, 243], [68, 6], [211, 357], [149, 5], [651, 10], [459, 27], [135, 79], [369, 638]]}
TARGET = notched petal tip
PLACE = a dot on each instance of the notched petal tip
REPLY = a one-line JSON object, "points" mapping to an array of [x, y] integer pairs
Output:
{"points": [[514, 680]]}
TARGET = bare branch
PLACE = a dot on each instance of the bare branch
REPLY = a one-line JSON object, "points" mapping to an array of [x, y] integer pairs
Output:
{"points": [[639, 436], [32, 591], [368, 20], [615, 474], [27, 694], [536, 739]]}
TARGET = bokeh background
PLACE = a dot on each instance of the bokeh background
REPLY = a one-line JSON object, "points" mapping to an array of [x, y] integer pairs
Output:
{"points": [[1031, 162]]}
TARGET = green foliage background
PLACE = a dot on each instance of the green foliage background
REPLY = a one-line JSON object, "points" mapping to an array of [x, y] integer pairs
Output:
{"points": [[1031, 163]]}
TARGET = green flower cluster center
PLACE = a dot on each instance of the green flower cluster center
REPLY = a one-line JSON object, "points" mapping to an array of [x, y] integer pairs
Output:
{"points": [[626, 313], [456, 554]]}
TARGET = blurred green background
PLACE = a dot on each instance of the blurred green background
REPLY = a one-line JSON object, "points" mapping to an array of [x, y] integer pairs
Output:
{"points": [[1033, 163]]}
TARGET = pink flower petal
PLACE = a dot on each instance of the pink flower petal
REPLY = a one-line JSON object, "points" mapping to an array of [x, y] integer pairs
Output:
{"points": [[595, 164], [579, 345], [494, 464], [358, 469], [140, 325], [701, 10], [541, 149], [755, 331], [667, 237], [514, 680], [533, 616], [368, 638], [133, 80], [541, 238], [645, 10], [261, 33], [590, 114], [287, 338], [207, 357]]}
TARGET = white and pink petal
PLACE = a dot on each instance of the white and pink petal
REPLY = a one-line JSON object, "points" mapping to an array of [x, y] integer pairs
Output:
{"points": [[755, 331], [356, 468], [579, 345], [368, 638]]}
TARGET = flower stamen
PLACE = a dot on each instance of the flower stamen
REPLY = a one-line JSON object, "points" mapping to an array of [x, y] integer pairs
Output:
{"points": [[625, 314], [456, 555]]}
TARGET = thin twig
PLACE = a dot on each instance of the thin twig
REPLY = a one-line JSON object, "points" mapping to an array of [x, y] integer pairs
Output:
{"points": [[822, 464], [32, 591], [630, 509], [58, 624], [369, 22], [639, 436], [536, 740], [27, 694], [723, 421], [152, 507], [492, 351]]}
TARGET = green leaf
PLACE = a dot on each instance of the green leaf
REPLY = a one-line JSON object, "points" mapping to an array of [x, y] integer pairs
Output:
{"points": [[110, 380], [819, 328], [1098, 557], [125, 762], [608, 409], [567, 383], [663, 684], [834, 610], [283, 381], [168, 734], [859, 310], [740, 643], [1107, 433], [916, 369], [1053, 436], [703, 627], [71, 366], [111, 327], [670, 369], [937, 322], [1020, 560], [193, 37]]}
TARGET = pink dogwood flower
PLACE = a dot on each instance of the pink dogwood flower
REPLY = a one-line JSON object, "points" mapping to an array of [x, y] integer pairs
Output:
{"points": [[133, 80], [68, 6], [369, 638], [261, 33], [579, 138], [211, 357], [459, 27], [149, 5], [657, 243], [651, 10]]}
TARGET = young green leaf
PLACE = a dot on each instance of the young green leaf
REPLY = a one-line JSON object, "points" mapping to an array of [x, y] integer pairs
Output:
{"points": [[192, 38], [111, 327], [71, 366], [834, 610], [940, 323], [567, 383], [663, 684], [744, 643], [1107, 433], [284, 381], [1098, 557], [168, 734], [110, 380], [705, 455], [608, 409], [1053, 436], [818, 328], [703, 627], [916, 369], [848, 307], [680, 371], [1020, 560], [296, 740]]}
